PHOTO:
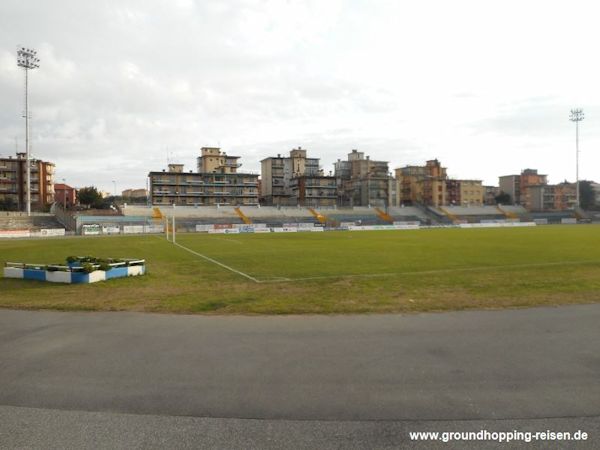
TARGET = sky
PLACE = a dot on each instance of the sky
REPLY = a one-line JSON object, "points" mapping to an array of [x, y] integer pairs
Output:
{"points": [[124, 87]]}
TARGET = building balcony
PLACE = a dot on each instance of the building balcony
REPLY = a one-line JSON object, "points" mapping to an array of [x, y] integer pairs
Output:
{"points": [[162, 182], [231, 164], [221, 195]]}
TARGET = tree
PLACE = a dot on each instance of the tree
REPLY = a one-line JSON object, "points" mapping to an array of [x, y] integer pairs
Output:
{"points": [[503, 198], [90, 197], [587, 196]]}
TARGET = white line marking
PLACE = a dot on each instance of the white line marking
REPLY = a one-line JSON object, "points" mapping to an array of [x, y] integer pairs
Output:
{"points": [[428, 272], [387, 274], [228, 240], [218, 263]]}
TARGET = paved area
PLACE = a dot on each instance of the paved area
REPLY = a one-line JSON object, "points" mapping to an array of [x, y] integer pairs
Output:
{"points": [[355, 378], [56, 429]]}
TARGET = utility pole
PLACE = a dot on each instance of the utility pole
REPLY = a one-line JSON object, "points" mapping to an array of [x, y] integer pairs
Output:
{"points": [[28, 60], [577, 116]]}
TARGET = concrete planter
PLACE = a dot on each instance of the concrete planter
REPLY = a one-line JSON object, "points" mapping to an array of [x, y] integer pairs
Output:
{"points": [[13, 272], [72, 274], [58, 276]]}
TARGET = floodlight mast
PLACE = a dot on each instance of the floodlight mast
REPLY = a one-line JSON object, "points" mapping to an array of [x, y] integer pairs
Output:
{"points": [[28, 60], [577, 116]]}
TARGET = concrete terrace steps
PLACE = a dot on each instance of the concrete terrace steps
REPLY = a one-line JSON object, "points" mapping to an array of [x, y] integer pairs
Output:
{"points": [[271, 214], [28, 223], [471, 210]]}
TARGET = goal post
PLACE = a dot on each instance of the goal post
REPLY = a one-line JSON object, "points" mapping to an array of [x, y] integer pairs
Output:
{"points": [[173, 233]]}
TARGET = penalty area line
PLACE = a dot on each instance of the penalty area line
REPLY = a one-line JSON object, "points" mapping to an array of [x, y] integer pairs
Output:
{"points": [[214, 261]]}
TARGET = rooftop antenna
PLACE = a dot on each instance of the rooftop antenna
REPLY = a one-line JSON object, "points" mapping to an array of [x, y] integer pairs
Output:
{"points": [[28, 60], [577, 116]]}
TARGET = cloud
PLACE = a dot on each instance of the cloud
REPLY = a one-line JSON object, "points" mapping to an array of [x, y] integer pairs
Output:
{"points": [[537, 116], [123, 83]]}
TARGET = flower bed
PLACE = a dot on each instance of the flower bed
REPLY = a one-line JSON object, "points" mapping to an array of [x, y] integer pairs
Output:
{"points": [[77, 270]]}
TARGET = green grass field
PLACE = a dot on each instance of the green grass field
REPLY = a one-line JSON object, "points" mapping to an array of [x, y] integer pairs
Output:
{"points": [[337, 272]]}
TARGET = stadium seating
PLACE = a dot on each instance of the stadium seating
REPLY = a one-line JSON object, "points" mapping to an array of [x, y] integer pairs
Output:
{"points": [[552, 217], [472, 214]]}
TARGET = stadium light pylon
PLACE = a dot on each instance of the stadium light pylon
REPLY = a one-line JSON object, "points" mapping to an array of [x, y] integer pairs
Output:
{"points": [[577, 116]]}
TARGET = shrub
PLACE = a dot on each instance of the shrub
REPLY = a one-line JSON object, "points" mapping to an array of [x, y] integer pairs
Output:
{"points": [[88, 267], [104, 266]]}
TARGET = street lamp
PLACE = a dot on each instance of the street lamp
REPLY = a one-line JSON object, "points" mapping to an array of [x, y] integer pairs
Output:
{"points": [[28, 60], [577, 116]]}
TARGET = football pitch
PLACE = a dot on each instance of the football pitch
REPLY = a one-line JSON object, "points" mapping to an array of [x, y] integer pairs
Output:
{"points": [[329, 272]]}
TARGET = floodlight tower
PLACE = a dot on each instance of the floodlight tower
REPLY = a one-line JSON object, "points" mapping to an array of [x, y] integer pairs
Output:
{"points": [[28, 60], [577, 116]]}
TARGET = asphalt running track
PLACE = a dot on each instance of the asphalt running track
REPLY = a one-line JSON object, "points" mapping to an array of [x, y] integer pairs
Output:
{"points": [[129, 380]]}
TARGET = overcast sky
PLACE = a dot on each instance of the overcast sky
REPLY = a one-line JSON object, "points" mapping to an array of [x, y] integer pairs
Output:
{"points": [[484, 86]]}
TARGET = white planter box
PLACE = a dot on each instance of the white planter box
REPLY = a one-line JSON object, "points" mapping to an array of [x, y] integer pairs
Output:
{"points": [[97, 275], [132, 271], [13, 272], [58, 277]]}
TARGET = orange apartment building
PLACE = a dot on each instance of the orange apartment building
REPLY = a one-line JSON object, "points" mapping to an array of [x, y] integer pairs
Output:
{"points": [[13, 184], [429, 185]]}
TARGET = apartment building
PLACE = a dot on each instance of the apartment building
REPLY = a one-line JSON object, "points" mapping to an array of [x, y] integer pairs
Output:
{"points": [[552, 197], [489, 194], [565, 196], [313, 190], [596, 189], [517, 186], [470, 192], [362, 181], [13, 183], [134, 194], [217, 182], [531, 190], [65, 195], [429, 185], [213, 160], [296, 180], [423, 184]]}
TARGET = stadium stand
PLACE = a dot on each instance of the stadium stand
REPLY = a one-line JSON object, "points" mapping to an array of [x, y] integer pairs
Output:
{"points": [[408, 214], [187, 217], [470, 214], [23, 222], [274, 216], [552, 217]]}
